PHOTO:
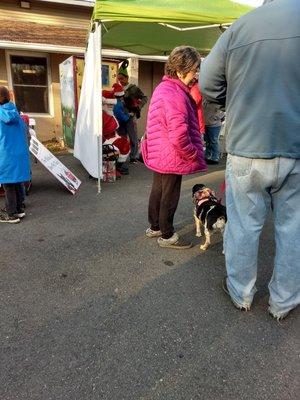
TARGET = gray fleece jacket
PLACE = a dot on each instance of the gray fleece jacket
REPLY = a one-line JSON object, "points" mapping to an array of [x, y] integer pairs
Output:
{"points": [[254, 71]]}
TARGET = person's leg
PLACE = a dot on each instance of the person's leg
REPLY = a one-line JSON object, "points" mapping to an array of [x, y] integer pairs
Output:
{"points": [[248, 202], [171, 185], [285, 283], [132, 133], [20, 196], [154, 202], [10, 198], [207, 143], [212, 134]]}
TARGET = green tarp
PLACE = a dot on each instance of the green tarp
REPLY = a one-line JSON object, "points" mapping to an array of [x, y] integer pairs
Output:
{"points": [[134, 25]]}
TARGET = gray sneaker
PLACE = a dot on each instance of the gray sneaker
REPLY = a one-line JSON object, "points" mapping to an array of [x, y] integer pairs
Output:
{"points": [[150, 233], [174, 242]]}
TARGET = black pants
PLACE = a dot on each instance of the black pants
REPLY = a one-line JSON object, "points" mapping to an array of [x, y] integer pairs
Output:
{"points": [[14, 197], [163, 202], [133, 137]]}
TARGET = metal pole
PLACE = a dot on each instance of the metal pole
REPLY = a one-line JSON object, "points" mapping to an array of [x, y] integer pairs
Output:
{"points": [[99, 137], [99, 144]]}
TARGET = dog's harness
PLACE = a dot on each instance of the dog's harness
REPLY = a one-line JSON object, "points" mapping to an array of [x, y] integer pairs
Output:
{"points": [[200, 202]]}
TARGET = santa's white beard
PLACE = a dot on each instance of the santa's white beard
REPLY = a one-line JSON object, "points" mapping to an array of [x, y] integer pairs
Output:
{"points": [[109, 109]]}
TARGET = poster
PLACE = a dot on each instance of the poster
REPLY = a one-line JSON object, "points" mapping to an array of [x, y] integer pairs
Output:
{"points": [[53, 165], [68, 101]]}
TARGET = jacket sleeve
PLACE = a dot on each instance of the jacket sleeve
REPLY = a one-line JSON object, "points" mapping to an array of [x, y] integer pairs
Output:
{"points": [[120, 113], [177, 125], [201, 114], [213, 84]]}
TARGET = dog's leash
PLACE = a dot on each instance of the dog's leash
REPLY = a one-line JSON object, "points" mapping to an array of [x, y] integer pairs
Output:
{"points": [[222, 189]]}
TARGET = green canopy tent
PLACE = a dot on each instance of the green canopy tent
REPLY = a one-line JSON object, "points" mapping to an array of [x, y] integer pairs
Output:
{"points": [[157, 26], [144, 27]]}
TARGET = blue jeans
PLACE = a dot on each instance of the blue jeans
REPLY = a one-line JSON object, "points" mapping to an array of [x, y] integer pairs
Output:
{"points": [[253, 187], [211, 138]]}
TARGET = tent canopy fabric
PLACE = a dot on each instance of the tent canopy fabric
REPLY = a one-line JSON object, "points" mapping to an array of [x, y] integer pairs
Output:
{"points": [[147, 35]]}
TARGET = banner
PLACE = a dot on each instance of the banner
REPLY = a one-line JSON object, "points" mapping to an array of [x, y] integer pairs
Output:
{"points": [[88, 135], [53, 165]]}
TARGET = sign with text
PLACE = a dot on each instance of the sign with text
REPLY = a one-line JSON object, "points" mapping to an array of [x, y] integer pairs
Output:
{"points": [[53, 165]]}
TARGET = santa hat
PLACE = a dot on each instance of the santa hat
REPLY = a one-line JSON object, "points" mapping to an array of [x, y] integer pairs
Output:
{"points": [[118, 90], [123, 68], [108, 97]]}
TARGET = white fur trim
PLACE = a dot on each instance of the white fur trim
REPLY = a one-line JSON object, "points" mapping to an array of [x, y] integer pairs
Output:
{"points": [[108, 101]]}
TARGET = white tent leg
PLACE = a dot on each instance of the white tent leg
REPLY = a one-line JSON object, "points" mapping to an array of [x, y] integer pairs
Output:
{"points": [[99, 145], [99, 141]]}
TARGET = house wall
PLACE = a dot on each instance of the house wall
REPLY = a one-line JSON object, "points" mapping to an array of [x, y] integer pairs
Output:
{"points": [[47, 13], [3, 72], [49, 126], [150, 74]]}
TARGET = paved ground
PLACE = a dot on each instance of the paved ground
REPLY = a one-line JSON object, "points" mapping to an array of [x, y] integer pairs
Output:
{"points": [[91, 309]]}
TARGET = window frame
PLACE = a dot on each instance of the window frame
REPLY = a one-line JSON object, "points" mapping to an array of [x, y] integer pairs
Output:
{"points": [[8, 54]]}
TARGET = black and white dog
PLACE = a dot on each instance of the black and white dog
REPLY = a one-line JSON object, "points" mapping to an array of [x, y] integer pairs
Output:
{"points": [[208, 213]]}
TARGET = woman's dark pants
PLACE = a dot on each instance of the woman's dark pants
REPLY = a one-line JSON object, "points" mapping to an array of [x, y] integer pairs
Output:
{"points": [[163, 202]]}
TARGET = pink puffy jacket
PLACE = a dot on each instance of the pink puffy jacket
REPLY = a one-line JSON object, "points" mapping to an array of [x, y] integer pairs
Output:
{"points": [[173, 144]]}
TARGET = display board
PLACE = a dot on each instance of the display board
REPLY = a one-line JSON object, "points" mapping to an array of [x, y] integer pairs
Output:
{"points": [[54, 165]]}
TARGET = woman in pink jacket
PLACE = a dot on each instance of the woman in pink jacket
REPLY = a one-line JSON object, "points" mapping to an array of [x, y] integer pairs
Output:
{"points": [[173, 146]]}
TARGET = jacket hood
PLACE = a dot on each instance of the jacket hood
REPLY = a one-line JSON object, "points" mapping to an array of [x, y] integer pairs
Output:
{"points": [[8, 113]]}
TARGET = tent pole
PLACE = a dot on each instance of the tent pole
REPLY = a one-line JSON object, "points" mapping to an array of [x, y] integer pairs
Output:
{"points": [[99, 137]]}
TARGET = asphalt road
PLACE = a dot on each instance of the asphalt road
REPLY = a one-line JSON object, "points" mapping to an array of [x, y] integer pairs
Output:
{"points": [[91, 309]]}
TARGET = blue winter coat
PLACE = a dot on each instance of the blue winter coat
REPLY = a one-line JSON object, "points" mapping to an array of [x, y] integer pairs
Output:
{"points": [[14, 152]]}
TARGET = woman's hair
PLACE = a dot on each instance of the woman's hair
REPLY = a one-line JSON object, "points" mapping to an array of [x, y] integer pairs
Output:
{"points": [[182, 59]]}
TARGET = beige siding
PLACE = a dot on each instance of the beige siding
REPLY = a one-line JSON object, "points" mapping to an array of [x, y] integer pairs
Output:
{"points": [[47, 13]]}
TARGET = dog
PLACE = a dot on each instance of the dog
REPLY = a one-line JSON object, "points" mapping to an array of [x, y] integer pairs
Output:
{"points": [[208, 213]]}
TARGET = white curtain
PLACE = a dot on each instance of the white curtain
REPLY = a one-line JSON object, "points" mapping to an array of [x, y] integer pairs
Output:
{"points": [[88, 136]]}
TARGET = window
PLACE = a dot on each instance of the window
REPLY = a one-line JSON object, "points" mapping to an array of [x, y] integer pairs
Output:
{"points": [[30, 83]]}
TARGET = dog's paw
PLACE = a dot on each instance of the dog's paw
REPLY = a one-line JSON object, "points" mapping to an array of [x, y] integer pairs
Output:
{"points": [[198, 234], [203, 247]]}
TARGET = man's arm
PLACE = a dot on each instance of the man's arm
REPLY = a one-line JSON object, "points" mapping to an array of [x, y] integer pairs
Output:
{"points": [[213, 84]]}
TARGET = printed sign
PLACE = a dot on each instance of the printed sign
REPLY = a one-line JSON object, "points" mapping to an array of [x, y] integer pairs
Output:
{"points": [[53, 165]]}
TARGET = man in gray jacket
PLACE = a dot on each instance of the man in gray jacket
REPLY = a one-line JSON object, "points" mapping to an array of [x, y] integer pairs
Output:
{"points": [[253, 70]]}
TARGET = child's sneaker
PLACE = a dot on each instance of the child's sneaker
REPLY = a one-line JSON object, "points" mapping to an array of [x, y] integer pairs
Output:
{"points": [[9, 219], [20, 214]]}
